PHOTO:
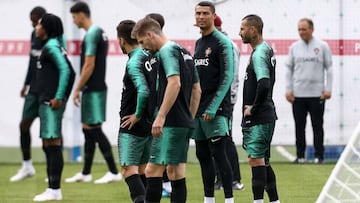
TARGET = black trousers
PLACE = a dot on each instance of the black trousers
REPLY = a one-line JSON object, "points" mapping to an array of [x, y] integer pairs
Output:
{"points": [[233, 157], [315, 107]]}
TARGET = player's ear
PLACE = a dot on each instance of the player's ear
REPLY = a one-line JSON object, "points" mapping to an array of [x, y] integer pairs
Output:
{"points": [[122, 40], [149, 34], [252, 29]]}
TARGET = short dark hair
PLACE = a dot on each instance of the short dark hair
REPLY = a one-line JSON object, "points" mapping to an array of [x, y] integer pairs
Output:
{"points": [[309, 21], [208, 4], [144, 25], [124, 30], [52, 25], [80, 7], [256, 21], [37, 11], [158, 17]]}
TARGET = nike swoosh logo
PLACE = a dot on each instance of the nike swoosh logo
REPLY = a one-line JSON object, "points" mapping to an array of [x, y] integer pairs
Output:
{"points": [[215, 140]]}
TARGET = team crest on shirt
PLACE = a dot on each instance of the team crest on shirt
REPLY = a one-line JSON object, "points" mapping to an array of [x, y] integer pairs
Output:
{"points": [[208, 52], [316, 51]]}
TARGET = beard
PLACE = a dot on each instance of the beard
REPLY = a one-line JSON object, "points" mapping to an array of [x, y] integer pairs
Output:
{"points": [[123, 50], [245, 40]]}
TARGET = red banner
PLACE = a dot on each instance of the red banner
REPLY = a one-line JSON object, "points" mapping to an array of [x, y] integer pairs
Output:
{"points": [[280, 46]]}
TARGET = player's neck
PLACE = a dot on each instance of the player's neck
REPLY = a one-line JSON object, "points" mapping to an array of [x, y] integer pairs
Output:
{"points": [[162, 40], [130, 48], [208, 31], [87, 24], [256, 41]]}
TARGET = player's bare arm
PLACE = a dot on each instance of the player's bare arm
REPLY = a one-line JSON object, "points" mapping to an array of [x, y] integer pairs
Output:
{"points": [[87, 70], [171, 93], [195, 99]]}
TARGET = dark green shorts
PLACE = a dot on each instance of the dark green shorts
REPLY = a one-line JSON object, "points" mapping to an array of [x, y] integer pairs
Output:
{"points": [[171, 147], [133, 150], [31, 107], [50, 121], [205, 130], [257, 140], [93, 107]]}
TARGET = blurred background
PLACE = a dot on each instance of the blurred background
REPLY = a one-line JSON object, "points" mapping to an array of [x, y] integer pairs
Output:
{"points": [[335, 22]]}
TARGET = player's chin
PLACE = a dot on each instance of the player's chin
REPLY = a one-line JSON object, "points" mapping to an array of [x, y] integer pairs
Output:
{"points": [[245, 41]]}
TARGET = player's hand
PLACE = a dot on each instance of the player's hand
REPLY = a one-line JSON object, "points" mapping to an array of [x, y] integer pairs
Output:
{"points": [[76, 98], [325, 95], [55, 103], [207, 117], [23, 91], [129, 120], [157, 127], [290, 97], [247, 110]]}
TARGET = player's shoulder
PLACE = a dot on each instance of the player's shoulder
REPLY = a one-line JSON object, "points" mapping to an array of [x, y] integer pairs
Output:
{"points": [[94, 31], [94, 28], [221, 37], [52, 43], [262, 52], [263, 47], [138, 55], [169, 47]]}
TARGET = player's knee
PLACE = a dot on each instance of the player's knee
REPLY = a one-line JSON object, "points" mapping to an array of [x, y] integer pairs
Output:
{"points": [[254, 162], [176, 172], [25, 125], [127, 171], [154, 170], [142, 168]]}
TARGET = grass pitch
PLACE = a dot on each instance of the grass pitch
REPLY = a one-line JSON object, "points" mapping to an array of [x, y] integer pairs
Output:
{"points": [[296, 183]]}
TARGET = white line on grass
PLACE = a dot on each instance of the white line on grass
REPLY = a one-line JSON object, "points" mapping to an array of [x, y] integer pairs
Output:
{"points": [[285, 153]]}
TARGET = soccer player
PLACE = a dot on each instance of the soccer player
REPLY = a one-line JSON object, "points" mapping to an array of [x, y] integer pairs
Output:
{"points": [[259, 114], [134, 139], [214, 60], [93, 102], [178, 95], [31, 106], [54, 80], [231, 150], [155, 63]]}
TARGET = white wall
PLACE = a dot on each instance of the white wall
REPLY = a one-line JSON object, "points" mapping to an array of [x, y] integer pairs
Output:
{"points": [[280, 18]]}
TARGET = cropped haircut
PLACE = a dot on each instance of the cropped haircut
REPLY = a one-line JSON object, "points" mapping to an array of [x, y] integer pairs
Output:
{"points": [[144, 25], [124, 30], [52, 25], [256, 21], [37, 11], [158, 17], [309, 21], [208, 4], [80, 7]]}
